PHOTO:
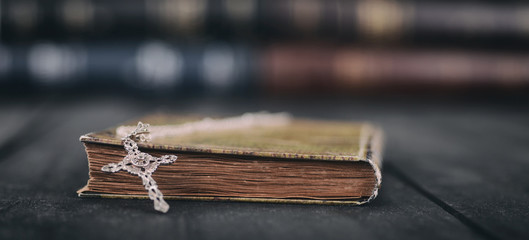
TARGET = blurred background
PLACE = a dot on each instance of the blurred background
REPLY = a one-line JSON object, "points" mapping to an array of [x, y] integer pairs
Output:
{"points": [[265, 47], [447, 80]]}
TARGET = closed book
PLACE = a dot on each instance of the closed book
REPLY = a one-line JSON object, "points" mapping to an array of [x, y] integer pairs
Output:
{"points": [[289, 69], [437, 22], [256, 157]]}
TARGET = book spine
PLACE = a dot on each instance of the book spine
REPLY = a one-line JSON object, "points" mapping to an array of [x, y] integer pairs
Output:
{"points": [[384, 20], [294, 69], [150, 66]]}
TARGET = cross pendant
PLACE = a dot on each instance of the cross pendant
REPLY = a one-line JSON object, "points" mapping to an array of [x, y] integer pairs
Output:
{"points": [[142, 164]]}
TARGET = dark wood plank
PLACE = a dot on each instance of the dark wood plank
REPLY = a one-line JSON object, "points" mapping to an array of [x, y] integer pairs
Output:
{"points": [[474, 160], [38, 200], [17, 121], [52, 153]]}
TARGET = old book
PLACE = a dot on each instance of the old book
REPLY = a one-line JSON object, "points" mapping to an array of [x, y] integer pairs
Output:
{"points": [[290, 69], [256, 157], [431, 21]]}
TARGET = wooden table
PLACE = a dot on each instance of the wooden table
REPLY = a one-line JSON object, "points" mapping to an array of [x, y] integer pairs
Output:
{"points": [[452, 170]]}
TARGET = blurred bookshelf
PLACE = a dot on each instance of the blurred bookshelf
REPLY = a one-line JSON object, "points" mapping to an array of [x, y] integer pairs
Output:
{"points": [[270, 47]]}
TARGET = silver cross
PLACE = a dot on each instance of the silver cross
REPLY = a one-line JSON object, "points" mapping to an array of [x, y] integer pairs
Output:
{"points": [[142, 164]]}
